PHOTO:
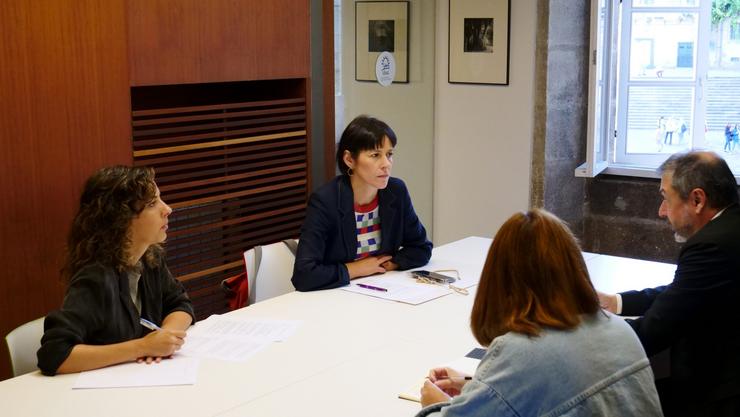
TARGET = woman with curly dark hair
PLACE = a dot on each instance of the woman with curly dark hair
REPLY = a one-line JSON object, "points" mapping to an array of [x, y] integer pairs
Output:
{"points": [[117, 276]]}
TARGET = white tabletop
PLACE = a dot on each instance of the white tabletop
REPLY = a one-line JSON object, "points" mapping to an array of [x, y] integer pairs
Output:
{"points": [[351, 355]]}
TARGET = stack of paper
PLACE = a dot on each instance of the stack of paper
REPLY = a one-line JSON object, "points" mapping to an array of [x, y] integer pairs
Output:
{"points": [[217, 337], [233, 339]]}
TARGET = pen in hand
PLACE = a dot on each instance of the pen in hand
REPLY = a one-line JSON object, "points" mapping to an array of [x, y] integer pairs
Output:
{"points": [[149, 325], [465, 378]]}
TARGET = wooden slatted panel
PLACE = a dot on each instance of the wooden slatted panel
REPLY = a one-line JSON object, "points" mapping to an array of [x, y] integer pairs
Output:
{"points": [[235, 175]]}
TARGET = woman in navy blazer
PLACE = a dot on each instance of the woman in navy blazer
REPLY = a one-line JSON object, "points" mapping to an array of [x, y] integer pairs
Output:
{"points": [[341, 238]]}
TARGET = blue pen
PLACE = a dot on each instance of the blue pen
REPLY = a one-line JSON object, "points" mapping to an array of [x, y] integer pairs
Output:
{"points": [[149, 325]]}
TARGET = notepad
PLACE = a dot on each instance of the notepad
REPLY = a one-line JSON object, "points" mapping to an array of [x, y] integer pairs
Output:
{"points": [[467, 364]]}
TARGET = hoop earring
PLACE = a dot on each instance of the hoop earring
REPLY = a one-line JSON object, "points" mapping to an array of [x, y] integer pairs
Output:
{"points": [[350, 172]]}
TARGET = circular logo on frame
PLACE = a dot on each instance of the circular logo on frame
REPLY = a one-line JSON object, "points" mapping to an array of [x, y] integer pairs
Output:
{"points": [[385, 68]]}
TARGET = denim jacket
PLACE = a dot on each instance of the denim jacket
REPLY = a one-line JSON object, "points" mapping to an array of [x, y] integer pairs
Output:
{"points": [[598, 368]]}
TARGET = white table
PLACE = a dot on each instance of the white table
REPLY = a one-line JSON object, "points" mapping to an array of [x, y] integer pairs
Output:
{"points": [[352, 355]]}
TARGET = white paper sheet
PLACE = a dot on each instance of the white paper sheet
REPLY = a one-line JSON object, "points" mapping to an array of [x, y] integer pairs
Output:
{"points": [[233, 339], [179, 370], [401, 287], [237, 349], [263, 329]]}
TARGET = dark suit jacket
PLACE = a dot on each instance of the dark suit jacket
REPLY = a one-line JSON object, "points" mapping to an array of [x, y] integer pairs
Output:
{"points": [[698, 314], [97, 310], [329, 234]]}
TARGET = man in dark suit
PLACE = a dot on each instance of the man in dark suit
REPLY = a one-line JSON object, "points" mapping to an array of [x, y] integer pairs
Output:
{"points": [[698, 314]]}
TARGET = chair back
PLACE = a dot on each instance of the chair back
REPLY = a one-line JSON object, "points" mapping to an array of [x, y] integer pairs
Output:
{"points": [[23, 342], [269, 268]]}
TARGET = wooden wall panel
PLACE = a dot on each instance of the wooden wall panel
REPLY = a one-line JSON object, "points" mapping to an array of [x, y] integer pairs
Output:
{"points": [[327, 39], [235, 174], [196, 41], [64, 112]]}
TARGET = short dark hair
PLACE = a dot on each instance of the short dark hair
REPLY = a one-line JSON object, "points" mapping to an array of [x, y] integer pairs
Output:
{"points": [[534, 277], [364, 133], [112, 198], [705, 170]]}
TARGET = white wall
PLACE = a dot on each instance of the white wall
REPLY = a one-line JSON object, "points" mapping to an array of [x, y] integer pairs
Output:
{"points": [[483, 136], [407, 108], [464, 150]]}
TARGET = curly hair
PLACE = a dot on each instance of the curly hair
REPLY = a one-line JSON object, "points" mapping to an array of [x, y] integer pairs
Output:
{"points": [[112, 198]]}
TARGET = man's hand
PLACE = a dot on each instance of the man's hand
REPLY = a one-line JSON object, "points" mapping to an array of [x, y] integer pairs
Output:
{"points": [[608, 301]]}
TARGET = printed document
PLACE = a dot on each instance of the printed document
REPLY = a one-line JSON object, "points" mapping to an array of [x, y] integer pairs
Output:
{"points": [[233, 339]]}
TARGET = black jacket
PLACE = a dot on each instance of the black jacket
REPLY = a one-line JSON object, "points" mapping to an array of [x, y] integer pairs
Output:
{"points": [[329, 234], [698, 314], [97, 310]]}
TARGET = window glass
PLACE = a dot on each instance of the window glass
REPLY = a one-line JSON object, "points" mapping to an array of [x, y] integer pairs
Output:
{"points": [[665, 3], [722, 115], [663, 45], [338, 47], [677, 67], [659, 119]]}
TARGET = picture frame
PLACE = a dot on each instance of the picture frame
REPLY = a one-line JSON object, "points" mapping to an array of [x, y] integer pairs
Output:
{"points": [[381, 26], [478, 46]]}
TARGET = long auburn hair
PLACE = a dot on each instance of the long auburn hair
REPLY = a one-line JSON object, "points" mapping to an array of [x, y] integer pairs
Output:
{"points": [[112, 198], [534, 277]]}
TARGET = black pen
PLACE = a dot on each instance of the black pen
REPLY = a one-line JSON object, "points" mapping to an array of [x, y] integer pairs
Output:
{"points": [[466, 378]]}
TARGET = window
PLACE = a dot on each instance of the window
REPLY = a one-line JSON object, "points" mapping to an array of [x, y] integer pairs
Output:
{"points": [[664, 77], [338, 95], [735, 32]]}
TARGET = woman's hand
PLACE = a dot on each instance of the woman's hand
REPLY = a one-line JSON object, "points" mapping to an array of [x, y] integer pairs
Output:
{"points": [[448, 380], [367, 266], [161, 344], [432, 394], [175, 323], [389, 265], [150, 348]]}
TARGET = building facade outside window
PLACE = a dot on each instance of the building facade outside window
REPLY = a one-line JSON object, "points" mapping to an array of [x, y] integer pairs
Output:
{"points": [[665, 77]]}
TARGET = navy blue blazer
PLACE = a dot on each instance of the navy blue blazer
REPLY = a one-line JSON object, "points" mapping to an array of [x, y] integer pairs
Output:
{"points": [[697, 314], [329, 234]]}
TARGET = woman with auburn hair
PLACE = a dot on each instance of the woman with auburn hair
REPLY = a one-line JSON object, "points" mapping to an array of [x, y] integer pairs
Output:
{"points": [[117, 275], [551, 349]]}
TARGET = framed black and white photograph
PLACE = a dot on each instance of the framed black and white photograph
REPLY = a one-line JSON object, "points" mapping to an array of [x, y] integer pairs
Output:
{"points": [[479, 42], [381, 26]]}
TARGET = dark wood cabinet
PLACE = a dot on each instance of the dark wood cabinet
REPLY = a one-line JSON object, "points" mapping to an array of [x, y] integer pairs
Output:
{"points": [[196, 41]]}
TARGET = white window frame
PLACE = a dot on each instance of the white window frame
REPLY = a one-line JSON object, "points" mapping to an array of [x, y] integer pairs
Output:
{"points": [[606, 92], [602, 86]]}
